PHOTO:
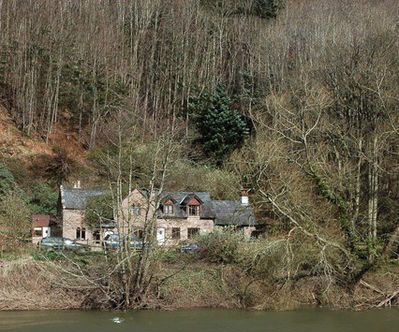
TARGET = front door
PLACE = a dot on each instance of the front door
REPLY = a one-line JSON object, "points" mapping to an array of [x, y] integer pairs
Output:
{"points": [[161, 236]]}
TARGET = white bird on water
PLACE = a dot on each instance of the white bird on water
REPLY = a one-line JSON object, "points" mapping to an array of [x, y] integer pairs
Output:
{"points": [[117, 320]]}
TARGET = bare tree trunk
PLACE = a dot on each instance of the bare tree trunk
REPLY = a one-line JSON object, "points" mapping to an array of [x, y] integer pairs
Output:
{"points": [[392, 245], [358, 183], [373, 192]]}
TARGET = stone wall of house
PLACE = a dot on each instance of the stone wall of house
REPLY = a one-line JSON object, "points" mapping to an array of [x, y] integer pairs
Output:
{"points": [[128, 214], [71, 220], [204, 225], [247, 230], [137, 221], [131, 220]]}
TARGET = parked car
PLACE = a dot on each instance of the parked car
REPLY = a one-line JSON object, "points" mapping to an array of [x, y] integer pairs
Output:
{"points": [[191, 248], [114, 241], [61, 243]]}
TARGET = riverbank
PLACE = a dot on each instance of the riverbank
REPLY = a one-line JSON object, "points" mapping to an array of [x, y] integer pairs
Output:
{"points": [[28, 283]]}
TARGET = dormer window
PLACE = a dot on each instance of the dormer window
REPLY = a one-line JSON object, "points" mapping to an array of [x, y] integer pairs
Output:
{"points": [[168, 209], [193, 210], [193, 206]]}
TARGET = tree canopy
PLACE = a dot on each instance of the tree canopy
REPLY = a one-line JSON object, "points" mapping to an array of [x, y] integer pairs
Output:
{"points": [[221, 128], [99, 210]]}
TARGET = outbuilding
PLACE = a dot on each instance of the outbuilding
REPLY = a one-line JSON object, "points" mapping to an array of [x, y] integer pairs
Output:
{"points": [[40, 227]]}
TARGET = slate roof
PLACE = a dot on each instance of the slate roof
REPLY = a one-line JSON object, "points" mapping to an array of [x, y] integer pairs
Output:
{"points": [[77, 198], [225, 213], [233, 213], [179, 196]]}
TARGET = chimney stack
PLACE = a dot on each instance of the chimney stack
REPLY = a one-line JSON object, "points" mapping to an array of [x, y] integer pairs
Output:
{"points": [[244, 197]]}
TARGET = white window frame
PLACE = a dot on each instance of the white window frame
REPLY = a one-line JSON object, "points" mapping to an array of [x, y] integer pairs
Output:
{"points": [[168, 209], [196, 208]]}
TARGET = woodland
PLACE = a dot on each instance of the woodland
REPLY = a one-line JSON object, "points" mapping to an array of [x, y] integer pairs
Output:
{"points": [[296, 101]]}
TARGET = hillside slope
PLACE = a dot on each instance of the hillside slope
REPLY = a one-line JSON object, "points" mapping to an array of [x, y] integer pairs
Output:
{"points": [[14, 144], [30, 156]]}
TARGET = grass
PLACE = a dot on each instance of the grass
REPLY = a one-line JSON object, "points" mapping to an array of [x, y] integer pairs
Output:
{"points": [[181, 281]]}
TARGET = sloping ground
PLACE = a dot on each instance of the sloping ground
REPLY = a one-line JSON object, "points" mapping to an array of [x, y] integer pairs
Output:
{"points": [[31, 154], [28, 285], [24, 281], [14, 144]]}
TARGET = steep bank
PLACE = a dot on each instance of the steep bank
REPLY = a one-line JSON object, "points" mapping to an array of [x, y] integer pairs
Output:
{"points": [[34, 157], [14, 144], [28, 284]]}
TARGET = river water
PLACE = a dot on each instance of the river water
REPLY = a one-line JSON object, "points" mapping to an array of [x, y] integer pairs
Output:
{"points": [[202, 321]]}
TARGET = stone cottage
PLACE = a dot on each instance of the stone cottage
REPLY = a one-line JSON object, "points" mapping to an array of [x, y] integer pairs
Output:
{"points": [[72, 212], [180, 216]]}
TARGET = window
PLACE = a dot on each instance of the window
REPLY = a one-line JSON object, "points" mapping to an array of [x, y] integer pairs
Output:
{"points": [[168, 209], [97, 236], [135, 210], [192, 232], [37, 231], [193, 210], [81, 233], [176, 233]]}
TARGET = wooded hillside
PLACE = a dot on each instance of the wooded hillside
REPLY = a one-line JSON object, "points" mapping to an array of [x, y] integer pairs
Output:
{"points": [[296, 101]]}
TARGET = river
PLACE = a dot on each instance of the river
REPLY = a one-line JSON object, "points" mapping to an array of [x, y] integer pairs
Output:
{"points": [[202, 321]]}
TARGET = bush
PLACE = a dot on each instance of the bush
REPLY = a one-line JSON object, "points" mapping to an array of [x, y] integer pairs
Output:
{"points": [[264, 259], [221, 245], [43, 199], [170, 256], [47, 256], [99, 210], [7, 181], [15, 222], [186, 176], [59, 166]]}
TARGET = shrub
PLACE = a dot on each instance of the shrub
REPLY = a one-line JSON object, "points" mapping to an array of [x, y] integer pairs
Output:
{"points": [[43, 199], [14, 219], [221, 245], [59, 166], [186, 176], [7, 180], [47, 256], [99, 210]]}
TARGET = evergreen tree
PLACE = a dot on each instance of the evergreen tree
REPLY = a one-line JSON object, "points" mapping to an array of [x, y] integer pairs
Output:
{"points": [[260, 8], [267, 8], [221, 128]]}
